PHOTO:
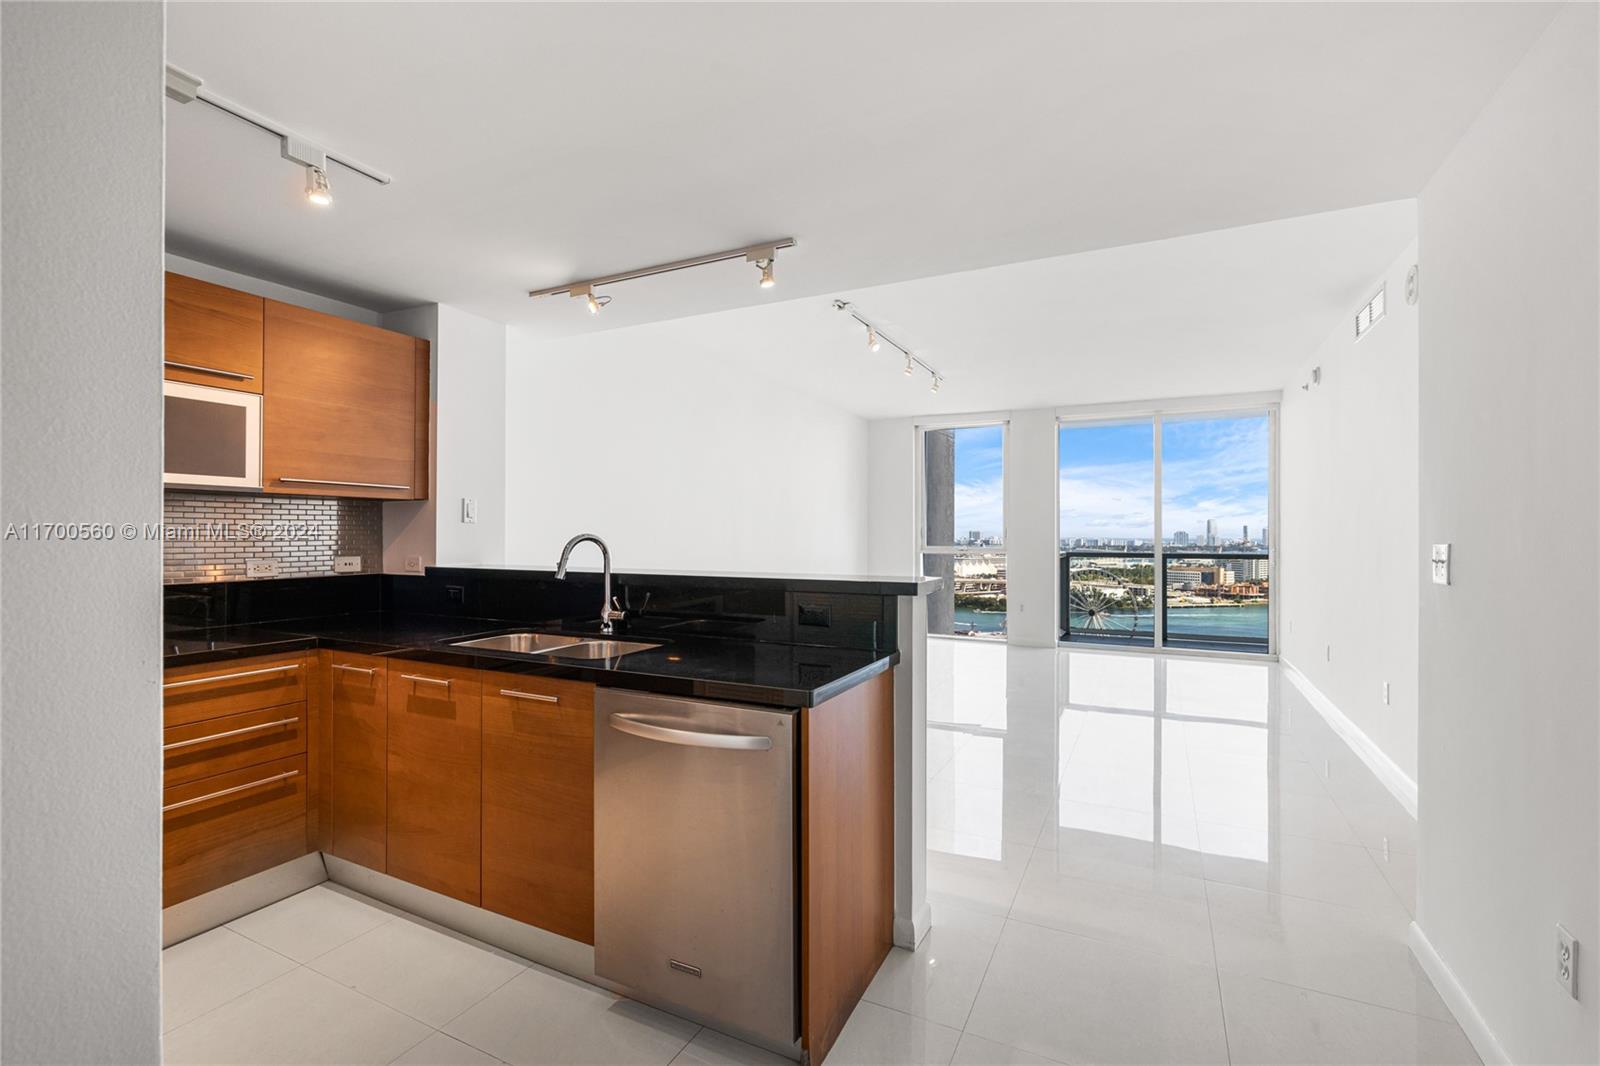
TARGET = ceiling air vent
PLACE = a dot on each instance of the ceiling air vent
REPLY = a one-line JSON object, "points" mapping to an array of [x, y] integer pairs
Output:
{"points": [[1369, 314]]}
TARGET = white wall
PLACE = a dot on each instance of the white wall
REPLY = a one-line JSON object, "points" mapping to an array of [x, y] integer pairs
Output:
{"points": [[410, 527], [470, 437], [1510, 475], [80, 621], [679, 460], [1347, 517]]}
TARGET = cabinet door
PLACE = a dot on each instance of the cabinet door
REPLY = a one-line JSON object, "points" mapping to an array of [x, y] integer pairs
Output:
{"points": [[538, 802], [341, 409], [355, 689], [221, 828], [213, 335], [435, 777]]}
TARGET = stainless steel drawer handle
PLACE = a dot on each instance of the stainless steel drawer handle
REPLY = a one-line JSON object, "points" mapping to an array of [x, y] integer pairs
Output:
{"points": [[692, 738], [231, 677], [346, 484], [234, 374], [229, 791], [539, 696], [369, 671], [428, 680], [179, 744]]}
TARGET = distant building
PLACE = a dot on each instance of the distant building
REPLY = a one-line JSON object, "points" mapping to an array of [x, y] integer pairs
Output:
{"points": [[1246, 538], [1211, 532], [1180, 537], [975, 536]]}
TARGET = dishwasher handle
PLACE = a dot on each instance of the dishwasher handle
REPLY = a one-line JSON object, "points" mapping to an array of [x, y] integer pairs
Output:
{"points": [[692, 738]]}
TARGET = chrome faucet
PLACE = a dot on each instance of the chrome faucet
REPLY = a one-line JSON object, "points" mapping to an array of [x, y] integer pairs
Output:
{"points": [[610, 610]]}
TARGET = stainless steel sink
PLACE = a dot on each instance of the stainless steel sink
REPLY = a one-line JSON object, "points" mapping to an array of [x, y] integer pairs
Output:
{"points": [[555, 644], [526, 643], [600, 649]]}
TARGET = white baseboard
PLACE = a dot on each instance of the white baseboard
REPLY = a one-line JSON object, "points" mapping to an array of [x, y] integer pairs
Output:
{"points": [[908, 933], [1455, 997], [222, 905], [1387, 771]]}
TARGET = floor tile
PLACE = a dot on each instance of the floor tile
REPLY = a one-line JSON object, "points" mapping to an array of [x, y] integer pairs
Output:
{"points": [[301, 1017], [544, 1017], [976, 873], [1343, 874], [1078, 1000], [711, 1048], [437, 1049], [976, 1051], [206, 971], [939, 981], [1274, 1023], [1122, 846], [878, 1036], [1337, 950], [997, 813], [1382, 825], [1166, 923], [1399, 868], [428, 973], [312, 922], [1252, 804]]}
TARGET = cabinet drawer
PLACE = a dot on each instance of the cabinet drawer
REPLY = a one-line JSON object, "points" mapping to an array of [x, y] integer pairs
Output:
{"points": [[232, 742], [212, 690], [231, 825], [213, 335]]}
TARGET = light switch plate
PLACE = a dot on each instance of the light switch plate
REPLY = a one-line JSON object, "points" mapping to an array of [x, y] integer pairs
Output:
{"points": [[1441, 564], [469, 509], [346, 564]]}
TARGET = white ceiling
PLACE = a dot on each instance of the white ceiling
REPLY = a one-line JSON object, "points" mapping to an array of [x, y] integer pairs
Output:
{"points": [[535, 144], [1233, 311]]}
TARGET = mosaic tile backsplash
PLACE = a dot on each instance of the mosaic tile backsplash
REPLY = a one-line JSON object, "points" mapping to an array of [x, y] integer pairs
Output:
{"points": [[210, 536]]}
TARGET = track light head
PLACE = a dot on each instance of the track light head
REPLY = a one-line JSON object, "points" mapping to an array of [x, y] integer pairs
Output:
{"points": [[909, 367], [872, 340], [767, 280], [935, 386], [318, 191], [591, 301]]}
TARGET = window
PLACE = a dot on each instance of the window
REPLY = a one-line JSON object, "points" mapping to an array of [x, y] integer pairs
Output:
{"points": [[1184, 565], [963, 529]]}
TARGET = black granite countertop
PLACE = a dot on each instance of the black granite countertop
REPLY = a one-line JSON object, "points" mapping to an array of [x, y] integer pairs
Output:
{"points": [[779, 675]]}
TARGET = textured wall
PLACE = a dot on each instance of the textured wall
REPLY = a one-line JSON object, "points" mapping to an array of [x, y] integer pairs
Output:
{"points": [[80, 855], [212, 535]]}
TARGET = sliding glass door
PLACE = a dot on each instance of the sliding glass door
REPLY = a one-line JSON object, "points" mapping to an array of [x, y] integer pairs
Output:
{"points": [[1165, 535]]}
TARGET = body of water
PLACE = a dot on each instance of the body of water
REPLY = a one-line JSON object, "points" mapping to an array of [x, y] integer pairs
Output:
{"points": [[1243, 623]]}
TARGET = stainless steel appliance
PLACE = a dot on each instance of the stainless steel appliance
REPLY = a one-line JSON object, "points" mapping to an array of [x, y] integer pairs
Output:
{"points": [[213, 437], [695, 877]]}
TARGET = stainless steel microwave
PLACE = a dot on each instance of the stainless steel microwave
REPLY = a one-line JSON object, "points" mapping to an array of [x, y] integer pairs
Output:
{"points": [[213, 438]]}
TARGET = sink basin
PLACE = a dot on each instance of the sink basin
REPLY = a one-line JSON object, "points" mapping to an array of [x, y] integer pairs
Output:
{"points": [[526, 643], [600, 649], [555, 644]]}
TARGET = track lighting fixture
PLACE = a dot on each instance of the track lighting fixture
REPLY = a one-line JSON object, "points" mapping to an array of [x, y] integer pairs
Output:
{"points": [[764, 256], [318, 191], [876, 338]]}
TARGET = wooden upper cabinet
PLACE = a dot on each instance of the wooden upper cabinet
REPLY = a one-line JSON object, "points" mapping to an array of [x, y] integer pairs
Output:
{"points": [[346, 408], [435, 778], [214, 335], [538, 802]]}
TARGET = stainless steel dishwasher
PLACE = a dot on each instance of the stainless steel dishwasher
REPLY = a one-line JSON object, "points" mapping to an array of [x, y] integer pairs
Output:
{"points": [[695, 885]]}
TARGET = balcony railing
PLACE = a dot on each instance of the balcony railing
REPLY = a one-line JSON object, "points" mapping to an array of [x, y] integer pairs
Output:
{"points": [[1220, 600]]}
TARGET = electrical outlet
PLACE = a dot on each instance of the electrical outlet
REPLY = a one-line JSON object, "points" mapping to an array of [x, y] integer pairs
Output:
{"points": [[260, 568], [469, 510], [455, 594], [1441, 564], [1386, 693], [1567, 961], [346, 564], [413, 564]]}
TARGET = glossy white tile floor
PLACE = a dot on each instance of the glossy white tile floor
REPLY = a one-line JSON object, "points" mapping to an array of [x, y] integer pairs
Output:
{"points": [[1132, 859], [1151, 859]]}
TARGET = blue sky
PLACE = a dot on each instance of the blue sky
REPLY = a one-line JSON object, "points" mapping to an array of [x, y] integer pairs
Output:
{"points": [[980, 474]]}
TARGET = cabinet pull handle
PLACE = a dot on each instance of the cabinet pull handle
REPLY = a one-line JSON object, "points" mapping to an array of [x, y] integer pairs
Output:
{"points": [[539, 696], [234, 374], [231, 677], [178, 744], [346, 484], [369, 671], [428, 680], [228, 791]]}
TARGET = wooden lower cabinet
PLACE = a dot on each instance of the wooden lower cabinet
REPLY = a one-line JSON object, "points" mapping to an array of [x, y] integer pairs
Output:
{"points": [[435, 781], [355, 701], [538, 802]]}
